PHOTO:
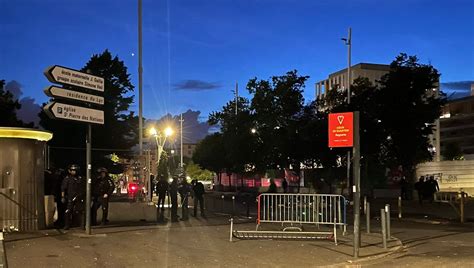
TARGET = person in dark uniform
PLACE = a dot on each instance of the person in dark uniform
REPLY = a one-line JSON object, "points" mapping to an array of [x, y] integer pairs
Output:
{"points": [[419, 187], [184, 191], [102, 189], [161, 190], [198, 192], [284, 185], [73, 190], [60, 206], [272, 188], [174, 199]]}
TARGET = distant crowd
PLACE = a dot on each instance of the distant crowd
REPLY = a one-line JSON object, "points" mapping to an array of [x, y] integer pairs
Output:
{"points": [[426, 188]]}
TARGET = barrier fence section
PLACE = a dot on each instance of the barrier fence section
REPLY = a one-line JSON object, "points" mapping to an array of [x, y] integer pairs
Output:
{"points": [[301, 208], [297, 209]]}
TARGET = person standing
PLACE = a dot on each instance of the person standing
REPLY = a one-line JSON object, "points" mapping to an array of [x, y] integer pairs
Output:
{"points": [[161, 190], [184, 191], [102, 190], [72, 194], [284, 185], [404, 188], [198, 197], [419, 187], [433, 187], [58, 177], [273, 188], [174, 199]]}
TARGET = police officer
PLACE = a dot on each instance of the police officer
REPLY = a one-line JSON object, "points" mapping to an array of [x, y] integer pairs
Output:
{"points": [[102, 189], [72, 194], [174, 199], [184, 191], [198, 191], [161, 190]]}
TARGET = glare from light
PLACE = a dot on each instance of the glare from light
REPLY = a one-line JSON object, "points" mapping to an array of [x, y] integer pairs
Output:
{"points": [[253, 130], [168, 131], [153, 131]]}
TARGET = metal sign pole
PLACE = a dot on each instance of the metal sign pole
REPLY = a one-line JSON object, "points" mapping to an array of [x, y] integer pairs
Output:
{"points": [[88, 185], [356, 174]]}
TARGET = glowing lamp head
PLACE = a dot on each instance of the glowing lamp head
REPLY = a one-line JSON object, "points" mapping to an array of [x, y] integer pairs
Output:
{"points": [[168, 131], [153, 131]]}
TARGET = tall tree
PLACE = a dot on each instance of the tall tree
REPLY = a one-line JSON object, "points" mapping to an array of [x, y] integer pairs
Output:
{"points": [[120, 131], [409, 102], [276, 106]]}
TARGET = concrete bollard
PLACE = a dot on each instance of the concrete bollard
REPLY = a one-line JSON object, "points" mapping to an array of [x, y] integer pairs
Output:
{"points": [[399, 207], [367, 217], [3, 253], [387, 218], [384, 227]]}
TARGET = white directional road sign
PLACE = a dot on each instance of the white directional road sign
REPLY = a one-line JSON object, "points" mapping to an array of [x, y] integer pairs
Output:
{"points": [[58, 92], [63, 75], [57, 110]]}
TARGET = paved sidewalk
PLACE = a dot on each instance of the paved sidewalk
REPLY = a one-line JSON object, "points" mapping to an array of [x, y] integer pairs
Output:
{"points": [[196, 243]]}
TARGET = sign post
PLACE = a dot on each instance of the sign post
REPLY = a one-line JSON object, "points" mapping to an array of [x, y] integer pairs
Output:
{"points": [[76, 82], [343, 131]]}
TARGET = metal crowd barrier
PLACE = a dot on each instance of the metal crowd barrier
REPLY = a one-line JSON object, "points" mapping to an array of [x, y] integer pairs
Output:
{"points": [[298, 209]]}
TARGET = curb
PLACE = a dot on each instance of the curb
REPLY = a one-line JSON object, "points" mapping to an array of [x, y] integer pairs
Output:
{"points": [[392, 250]]}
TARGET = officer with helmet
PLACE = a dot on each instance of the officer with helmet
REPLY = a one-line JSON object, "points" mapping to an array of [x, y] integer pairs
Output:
{"points": [[73, 189], [102, 189]]}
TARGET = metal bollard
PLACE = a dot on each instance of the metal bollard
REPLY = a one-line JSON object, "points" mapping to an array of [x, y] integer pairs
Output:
{"points": [[461, 207], [384, 227], [365, 204], [233, 205], [387, 211], [399, 207], [223, 204], [3, 256], [248, 206], [367, 217], [231, 229]]}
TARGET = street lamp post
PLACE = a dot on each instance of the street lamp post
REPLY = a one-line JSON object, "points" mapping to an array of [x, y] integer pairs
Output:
{"points": [[160, 138]]}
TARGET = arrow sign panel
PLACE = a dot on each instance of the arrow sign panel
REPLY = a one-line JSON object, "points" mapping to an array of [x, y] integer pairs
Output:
{"points": [[58, 92], [63, 75], [56, 110]]}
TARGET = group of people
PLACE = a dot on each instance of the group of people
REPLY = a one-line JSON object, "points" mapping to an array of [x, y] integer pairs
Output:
{"points": [[426, 188], [180, 185], [69, 190]]}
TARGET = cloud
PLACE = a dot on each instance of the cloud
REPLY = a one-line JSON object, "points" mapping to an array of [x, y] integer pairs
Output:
{"points": [[194, 128], [29, 108], [196, 85]]}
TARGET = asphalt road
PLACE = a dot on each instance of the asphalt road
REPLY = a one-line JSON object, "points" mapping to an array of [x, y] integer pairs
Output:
{"points": [[430, 245]]}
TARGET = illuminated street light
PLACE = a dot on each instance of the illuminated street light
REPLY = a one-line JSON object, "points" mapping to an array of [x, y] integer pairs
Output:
{"points": [[168, 132], [153, 131], [253, 130]]}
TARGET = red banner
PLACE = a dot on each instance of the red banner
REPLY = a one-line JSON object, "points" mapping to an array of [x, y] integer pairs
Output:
{"points": [[341, 130]]}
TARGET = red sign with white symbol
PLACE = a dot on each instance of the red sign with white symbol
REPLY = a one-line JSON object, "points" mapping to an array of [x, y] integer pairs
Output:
{"points": [[341, 126]]}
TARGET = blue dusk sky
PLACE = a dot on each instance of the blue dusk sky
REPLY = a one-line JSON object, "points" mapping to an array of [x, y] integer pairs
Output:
{"points": [[194, 51]]}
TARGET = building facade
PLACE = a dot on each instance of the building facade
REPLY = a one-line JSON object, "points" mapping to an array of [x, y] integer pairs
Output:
{"points": [[339, 79], [457, 125]]}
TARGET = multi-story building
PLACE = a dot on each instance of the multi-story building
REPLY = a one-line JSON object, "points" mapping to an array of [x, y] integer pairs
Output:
{"points": [[457, 125], [339, 79]]}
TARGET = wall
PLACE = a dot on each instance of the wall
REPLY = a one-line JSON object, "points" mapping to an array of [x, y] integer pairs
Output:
{"points": [[451, 175]]}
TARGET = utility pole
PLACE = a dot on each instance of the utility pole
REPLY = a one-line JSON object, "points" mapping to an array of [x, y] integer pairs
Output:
{"points": [[181, 122], [140, 79], [348, 43], [236, 97]]}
